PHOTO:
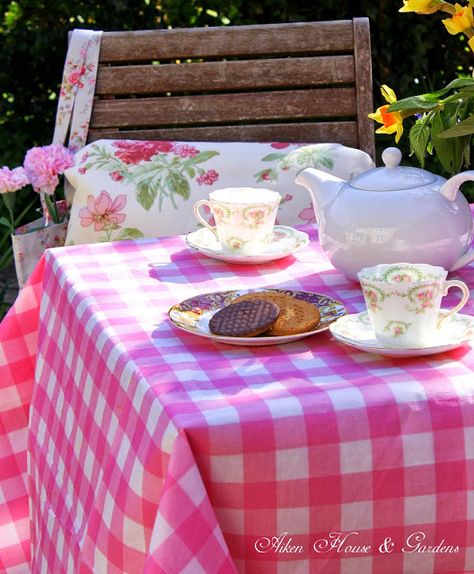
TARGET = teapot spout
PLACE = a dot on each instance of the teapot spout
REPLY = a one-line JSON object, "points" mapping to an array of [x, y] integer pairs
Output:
{"points": [[322, 187]]}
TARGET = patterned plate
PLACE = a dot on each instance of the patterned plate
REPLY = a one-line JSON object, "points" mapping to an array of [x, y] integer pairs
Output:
{"points": [[356, 331], [286, 240], [193, 315]]}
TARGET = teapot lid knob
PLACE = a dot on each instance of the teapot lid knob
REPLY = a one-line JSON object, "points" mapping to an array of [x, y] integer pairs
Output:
{"points": [[392, 157]]}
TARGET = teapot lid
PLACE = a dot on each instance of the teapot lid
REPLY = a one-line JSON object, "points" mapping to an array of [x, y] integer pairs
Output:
{"points": [[393, 176]]}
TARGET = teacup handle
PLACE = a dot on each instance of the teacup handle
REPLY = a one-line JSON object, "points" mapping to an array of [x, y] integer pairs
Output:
{"points": [[465, 296], [200, 218]]}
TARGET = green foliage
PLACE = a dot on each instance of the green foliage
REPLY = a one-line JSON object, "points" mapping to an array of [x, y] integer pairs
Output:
{"points": [[445, 124]]}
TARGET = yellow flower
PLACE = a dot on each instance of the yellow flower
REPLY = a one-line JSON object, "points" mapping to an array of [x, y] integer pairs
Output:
{"points": [[461, 20], [471, 43], [392, 121], [421, 6]]}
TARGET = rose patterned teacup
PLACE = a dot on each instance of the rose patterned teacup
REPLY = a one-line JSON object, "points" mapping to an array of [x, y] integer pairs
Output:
{"points": [[244, 217], [404, 302]]}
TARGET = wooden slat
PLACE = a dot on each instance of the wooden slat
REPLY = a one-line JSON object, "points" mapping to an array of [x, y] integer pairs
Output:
{"points": [[233, 75], [224, 108], [342, 132], [296, 38], [363, 70]]}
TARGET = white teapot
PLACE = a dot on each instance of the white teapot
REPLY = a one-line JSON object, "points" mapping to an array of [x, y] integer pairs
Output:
{"points": [[391, 214]]}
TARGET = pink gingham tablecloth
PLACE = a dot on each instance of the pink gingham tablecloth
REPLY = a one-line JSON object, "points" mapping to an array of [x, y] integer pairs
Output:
{"points": [[153, 450]]}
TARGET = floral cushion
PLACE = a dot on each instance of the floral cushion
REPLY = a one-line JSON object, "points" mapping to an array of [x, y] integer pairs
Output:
{"points": [[129, 189]]}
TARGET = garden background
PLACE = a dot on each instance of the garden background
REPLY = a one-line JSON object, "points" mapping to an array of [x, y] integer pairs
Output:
{"points": [[410, 53]]}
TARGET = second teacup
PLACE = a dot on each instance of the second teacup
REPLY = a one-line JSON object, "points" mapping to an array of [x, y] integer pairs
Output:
{"points": [[244, 216], [404, 302]]}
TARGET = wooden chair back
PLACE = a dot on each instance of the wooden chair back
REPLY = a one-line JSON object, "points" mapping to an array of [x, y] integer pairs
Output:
{"points": [[298, 82]]}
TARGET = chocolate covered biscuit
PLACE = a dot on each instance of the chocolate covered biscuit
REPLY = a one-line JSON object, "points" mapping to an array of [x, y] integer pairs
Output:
{"points": [[247, 318]]}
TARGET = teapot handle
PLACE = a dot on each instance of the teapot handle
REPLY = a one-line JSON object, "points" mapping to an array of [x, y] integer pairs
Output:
{"points": [[451, 187]]}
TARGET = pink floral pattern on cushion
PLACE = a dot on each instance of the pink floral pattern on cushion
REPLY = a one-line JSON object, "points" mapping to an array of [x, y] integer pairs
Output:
{"points": [[162, 180], [208, 178], [132, 152], [159, 170], [103, 212], [307, 215]]}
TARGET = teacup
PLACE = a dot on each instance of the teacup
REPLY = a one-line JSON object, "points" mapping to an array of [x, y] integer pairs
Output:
{"points": [[404, 302], [244, 217]]}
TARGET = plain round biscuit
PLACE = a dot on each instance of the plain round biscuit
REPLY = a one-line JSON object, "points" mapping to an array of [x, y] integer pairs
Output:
{"points": [[279, 298], [296, 316]]}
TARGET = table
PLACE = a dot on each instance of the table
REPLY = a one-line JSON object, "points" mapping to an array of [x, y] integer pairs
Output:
{"points": [[153, 450]]}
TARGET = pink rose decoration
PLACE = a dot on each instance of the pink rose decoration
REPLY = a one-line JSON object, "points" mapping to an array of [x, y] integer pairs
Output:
{"points": [[75, 77], [132, 152], [44, 164], [12, 179], [102, 212]]}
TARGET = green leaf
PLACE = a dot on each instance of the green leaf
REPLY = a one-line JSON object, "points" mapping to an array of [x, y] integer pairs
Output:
{"points": [[450, 151], [9, 200], [414, 104], [464, 128], [190, 171], [268, 174], [4, 221], [456, 84], [419, 136], [146, 195], [273, 156], [203, 156], [178, 184], [129, 233]]}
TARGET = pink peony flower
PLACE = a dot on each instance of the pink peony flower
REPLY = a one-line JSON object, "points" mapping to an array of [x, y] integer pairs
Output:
{"points": [[44, 164], [103, 212], [132, 152], [208, 178], [12, 179]]}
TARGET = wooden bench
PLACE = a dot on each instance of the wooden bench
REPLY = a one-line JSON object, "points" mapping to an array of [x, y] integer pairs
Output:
{"points": [[299, 82]]}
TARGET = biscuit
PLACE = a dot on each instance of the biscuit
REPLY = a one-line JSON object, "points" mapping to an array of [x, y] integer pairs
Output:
{"points": [[247, 318], [296, 316], [274, 296]]}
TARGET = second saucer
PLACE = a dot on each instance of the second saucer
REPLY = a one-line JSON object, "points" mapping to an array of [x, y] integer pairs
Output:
{"points": [[356, 331], [285, 241]]}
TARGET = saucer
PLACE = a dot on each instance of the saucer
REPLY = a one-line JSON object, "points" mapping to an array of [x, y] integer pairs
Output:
{"points": [[356, 331], [285, 241], [193, 315]]}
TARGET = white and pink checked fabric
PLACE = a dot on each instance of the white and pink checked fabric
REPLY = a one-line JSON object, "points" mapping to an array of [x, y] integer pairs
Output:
{"points": [[18, 345], [153, 450]]}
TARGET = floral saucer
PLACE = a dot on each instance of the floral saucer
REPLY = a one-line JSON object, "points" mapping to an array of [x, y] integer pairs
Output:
{"points": [[285, 241], [356, 331], [193, 315]]}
